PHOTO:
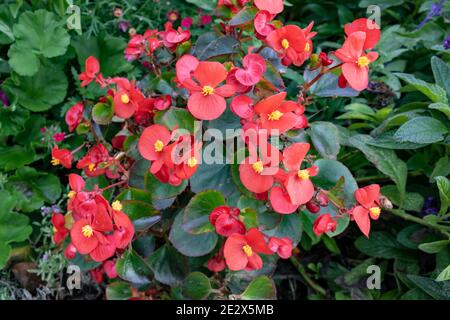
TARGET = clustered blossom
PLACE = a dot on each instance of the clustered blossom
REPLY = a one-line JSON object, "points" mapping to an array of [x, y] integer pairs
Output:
{"points": [[96, 228], [281, 177], [242, 247]]}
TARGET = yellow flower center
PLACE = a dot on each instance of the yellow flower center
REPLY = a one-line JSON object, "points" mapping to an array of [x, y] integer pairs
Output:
{"points": [[91, 167], [363, 61], [207, 90], [258, 167], [247, 250], [87, 231], [159, 145], [55, 230], [71, 194], [307, 47], [125, 98], [275, 115], [192, 162], [375, 211], [116, 205], [55, 161], [303, 174], [285, 44]]}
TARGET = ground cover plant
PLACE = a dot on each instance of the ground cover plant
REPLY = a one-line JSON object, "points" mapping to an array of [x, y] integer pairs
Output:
{"points": [[227, 149]]}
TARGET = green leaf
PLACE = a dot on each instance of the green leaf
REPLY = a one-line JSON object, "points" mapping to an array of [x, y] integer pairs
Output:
{"points": [[261, 288], [441, 168], [12, 121], [41, 91], [162, 191], [412, 202], [290, 226], [434, 247], [444, 193], [118, 291], [16, 156], [443, 107], [168, 265], [325, 137], [213, 177], [208, 45], [196, 213], [131, 267], [102, 113], [383, 245], [441, 72], [437, 290], [444, 275], [384, 160], [196, 286], [421, 130], [207, 5], [176, 118], [432, 91], [191, 245], [243, 17], [37, 34]]}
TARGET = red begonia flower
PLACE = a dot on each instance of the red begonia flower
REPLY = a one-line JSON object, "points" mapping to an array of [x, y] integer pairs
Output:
{"points": [[70, 252], [291, 43], [281, 246], [355, 61], [62, 157], [254, 67], [185, 67], [371, 29], [241, 251], [110, 269], [163, 102], [91, 71], [226, 221], [152, 144], [324, 223], [207, 99], [242, 106], [74, 116], [172, 37], [277, 114], [184, 156], [367, 199], [127, 98], [232, 81], [281, 201], [217, 263], [262, 24], [272, 6], [298, 183], [60, 231], [96, 161], [124, 230]]}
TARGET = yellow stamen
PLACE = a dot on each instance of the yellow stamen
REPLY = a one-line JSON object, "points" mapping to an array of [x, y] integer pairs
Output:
{"points": [[91, 167], [258, 167], [307, 47], [303, 174], [375, 211], [207, 90], [55, 161], [275, 115], [363, 61], [285, 44], [125, 98], [192, 162], [247, 250], [87, 231], [116, 205], [159, 145], [71, 194], [55, 230]]}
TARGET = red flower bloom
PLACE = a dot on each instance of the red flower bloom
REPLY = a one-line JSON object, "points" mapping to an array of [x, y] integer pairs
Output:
{"points": [[183, 156], [355, 61], [281, 201], [292, 44], [262, 24], [205, 19], [242, 106], [62, 157], [185, 67], [74, 116], [207, 100], [371, 29], [91, 72], [217, 263], [152, 144], [277, 114], [324, 223], [272, 6], [163, 102], [58, 137], [142, 44], [172, 15], [109, 267], [282, 246], [127, 98], [256, 172], [172, 38], [232, 81], [70, 252], [124, 229], [60, 231], [96, 161], [367, 199], [241, 251], [226, 221], [298, 183], [254, 67], [187, 22]]}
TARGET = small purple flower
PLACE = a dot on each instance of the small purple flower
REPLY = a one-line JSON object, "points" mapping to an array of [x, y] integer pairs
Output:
{"points": [[124, 26], [435, 11], [446, 43], [56, 209], [46, 210], [4, 99], [430, 206]]}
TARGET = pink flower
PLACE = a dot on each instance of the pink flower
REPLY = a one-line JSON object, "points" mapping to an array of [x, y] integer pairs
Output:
{"points": [[187, 22]]}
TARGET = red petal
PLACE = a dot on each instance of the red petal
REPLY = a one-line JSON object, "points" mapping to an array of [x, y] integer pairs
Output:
{"points": [[368, 195], [210, 73], [83, 244], [148, 138], [356, 76], [281, 202], [257, 241], [185, 66], [300, 191], [294, 154], [206, 107], [235, 257], [253, 181], [361, 216]]}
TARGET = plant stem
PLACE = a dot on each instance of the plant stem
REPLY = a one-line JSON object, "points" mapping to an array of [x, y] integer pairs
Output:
{"points": [[306, 277], [402, 214]]}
